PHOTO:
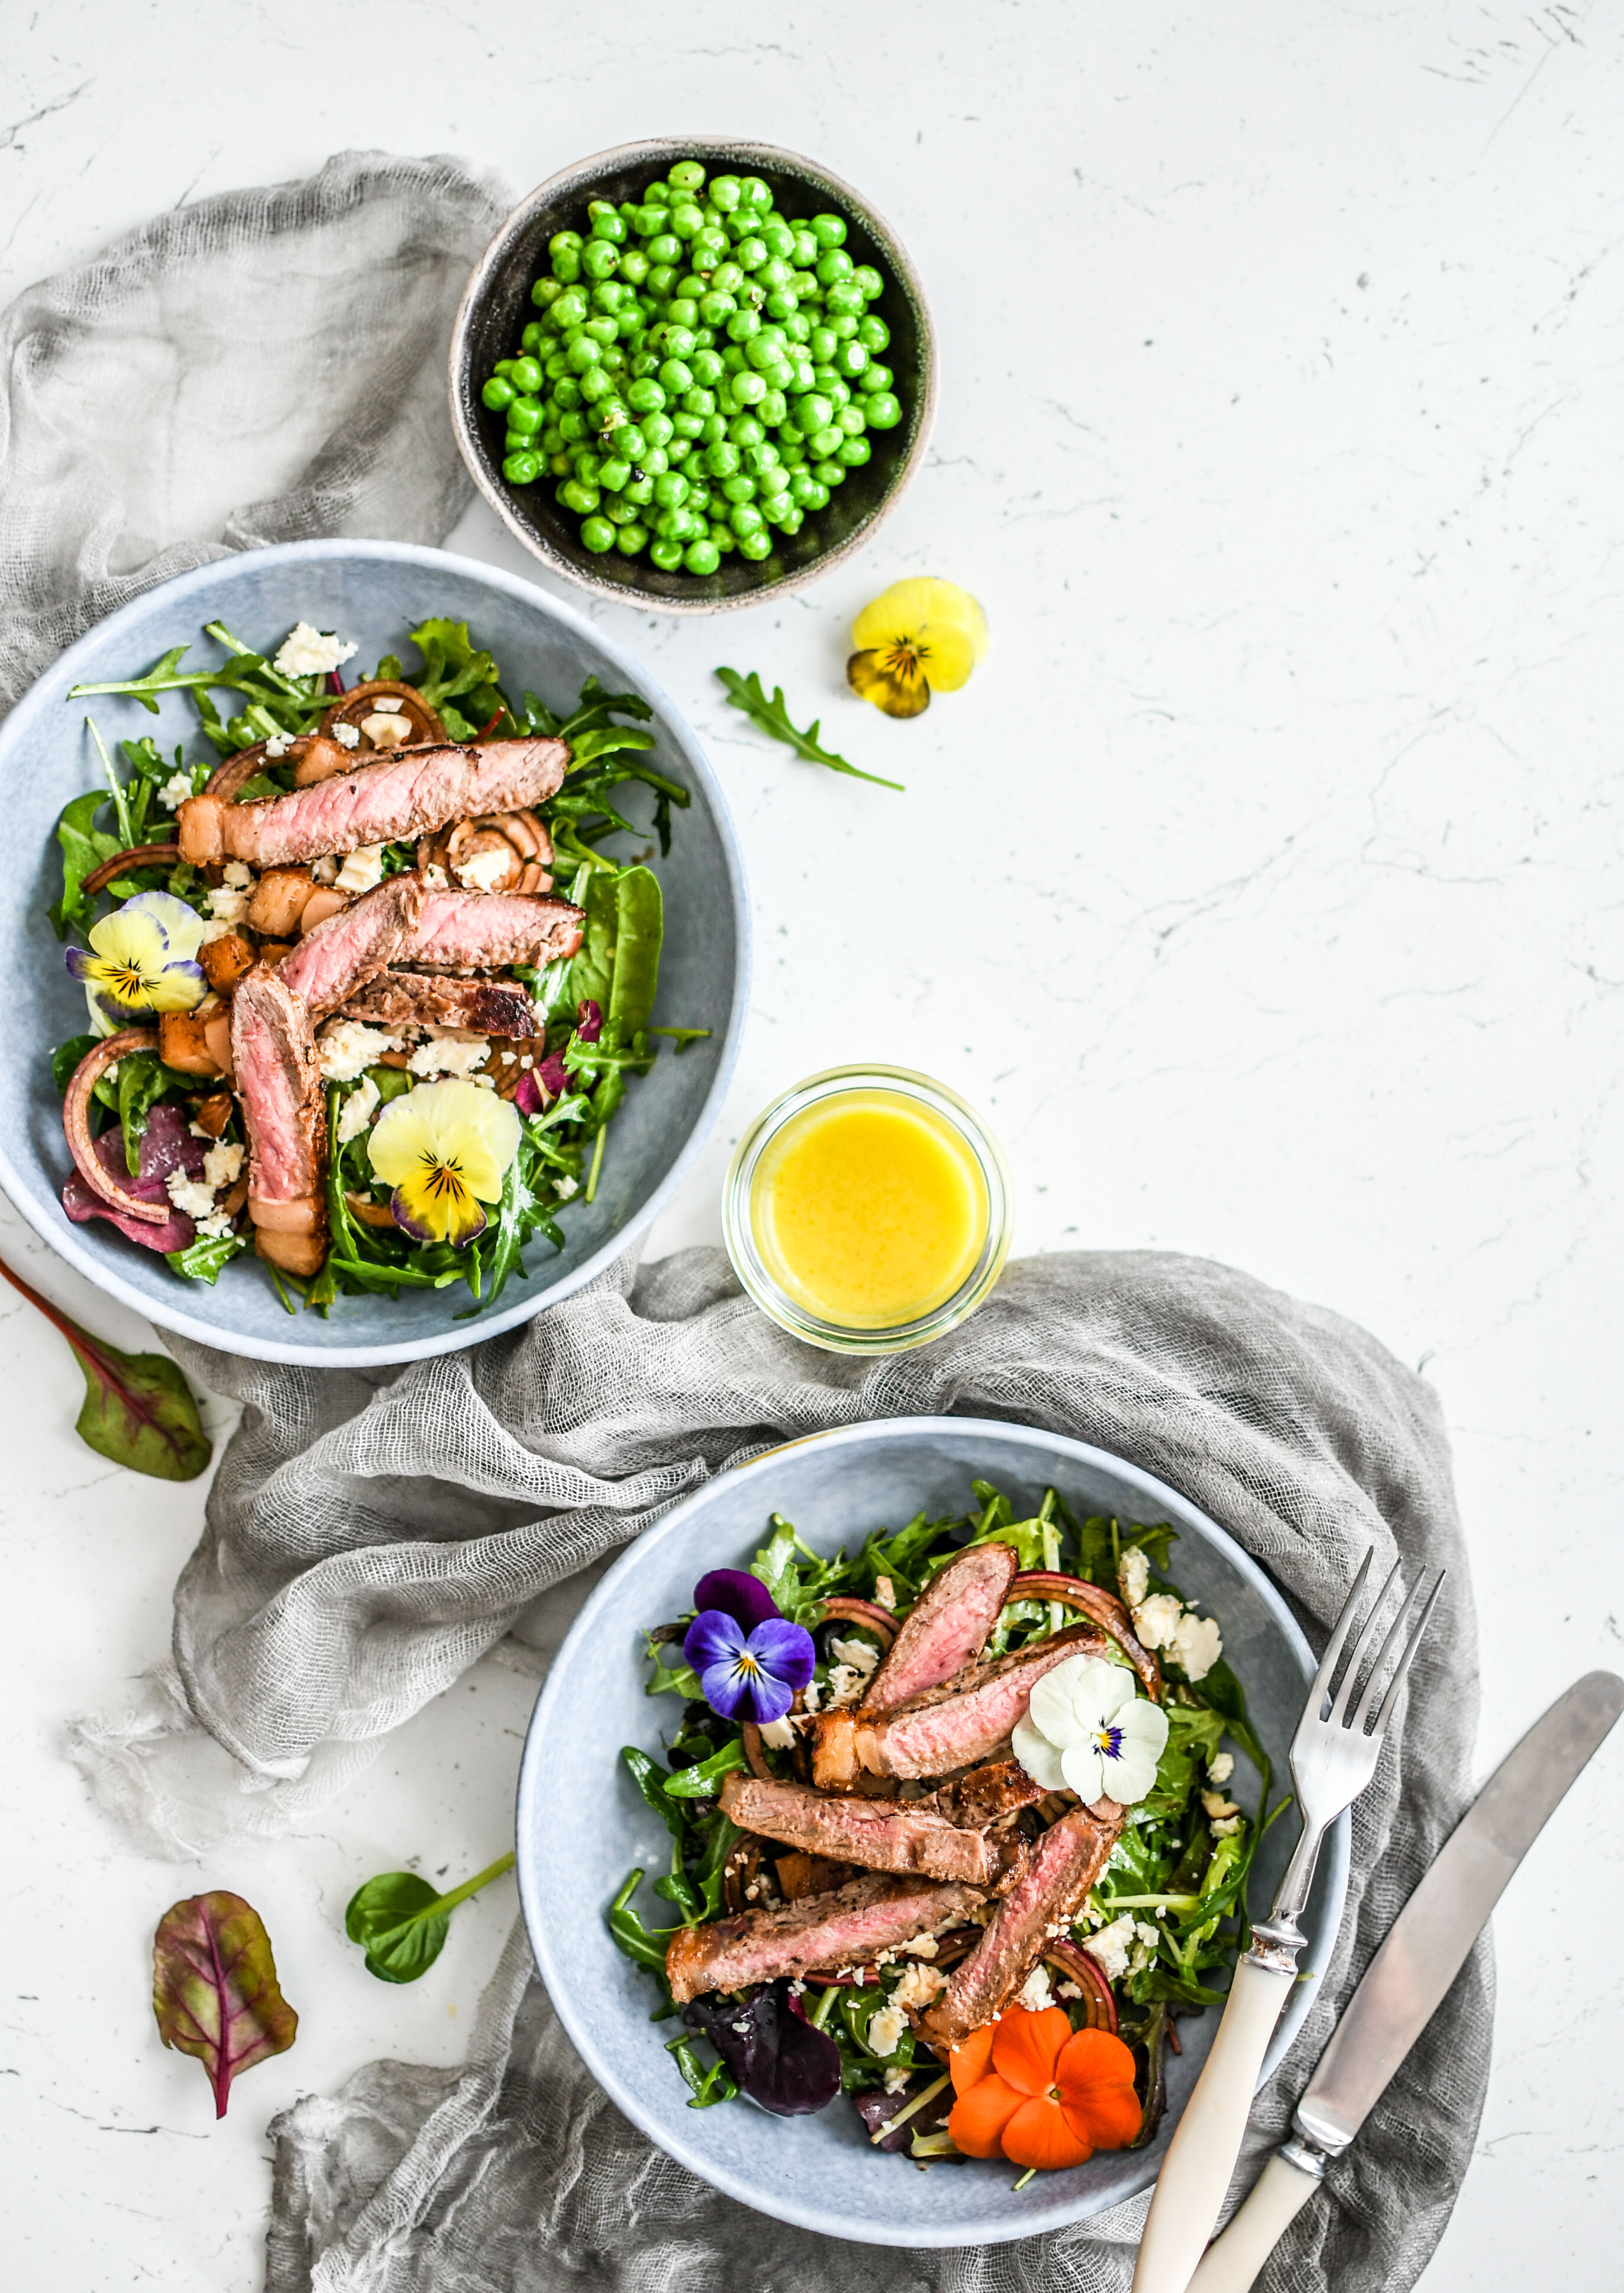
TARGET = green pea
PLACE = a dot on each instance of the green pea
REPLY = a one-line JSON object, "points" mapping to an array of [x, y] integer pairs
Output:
{"points": [[750, 253], [607, 221], [667, 249], [854, 453], [498, 392], [782, 305], [567, 266], [806, 250], [631, 539], [549, 439], [679, 450], [725, 542], [738, 490], [641, 491], [676, 343], [686, 425], [843, 299], [701, 557], [869, 280], [629, 441], [823, 345], [648, 222], [717, 308], [666, 554], [559, 465], [686, 220], [699, 401], [743, 326], [577, 495], [830, 473], [722, 458], [756, 460], [774, 408], [586, 462], [657, 195], [525, 375], [686, 175], [778, 237], [852, 420], [754, 193], [525, 416], [745, 518], [873, 334], [727, 278], [746, 389], [657, 430], [675, 377], [704, 338], [774, 275], [707, 369], [618, 510], [596, 533], [745, 429], [600, 258], [797, 330], [614, 472], [671, 490], [725, 193], [843, 326], [813, 411], [826, 442], [595, 384], [571, 310], [634, 265], [534, 336], [566, 393], [565, 242], [850, 358], [611, 295], [522, 469], [803, 486], [662, 277], [709, 248], [755, 546], [546, 292], [828, 231], [645, 396], [874, 378]]}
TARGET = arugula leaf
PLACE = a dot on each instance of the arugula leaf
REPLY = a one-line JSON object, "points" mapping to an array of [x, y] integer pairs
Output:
{"points": [[453, 665], [644, 1948], [402, 1922], [772, 717], [138, 1408], [202, 1260], [214, 1990]]}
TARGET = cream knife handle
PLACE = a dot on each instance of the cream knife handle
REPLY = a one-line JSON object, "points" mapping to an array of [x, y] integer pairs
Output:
{"points": [[1230, 2265], [1195, 2175]]}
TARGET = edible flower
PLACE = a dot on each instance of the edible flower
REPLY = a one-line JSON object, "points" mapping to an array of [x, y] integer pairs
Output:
{"points": [[922, 635], [1087, 1730], [142, 958], [750, 1658], [445, 1148], [1032, 2089]]}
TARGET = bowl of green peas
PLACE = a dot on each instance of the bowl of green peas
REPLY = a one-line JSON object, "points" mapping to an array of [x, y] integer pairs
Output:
{"points": [[685, 373]]}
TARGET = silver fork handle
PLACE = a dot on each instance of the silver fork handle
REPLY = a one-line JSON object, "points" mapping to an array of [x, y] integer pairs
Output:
{"points": [[1196, 2173]]}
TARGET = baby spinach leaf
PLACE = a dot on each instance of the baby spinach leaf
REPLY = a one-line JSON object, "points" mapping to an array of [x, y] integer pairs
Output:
{"points": [[772, 717], [701, 1782], [645, 1948], [402, 1923], [214, 1990], [639, 927], [84, 847], [138, 1408], [202, 1260]]}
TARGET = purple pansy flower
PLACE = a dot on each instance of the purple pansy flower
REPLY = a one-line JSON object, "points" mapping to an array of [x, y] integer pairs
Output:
{"points": [[750, 1659]]}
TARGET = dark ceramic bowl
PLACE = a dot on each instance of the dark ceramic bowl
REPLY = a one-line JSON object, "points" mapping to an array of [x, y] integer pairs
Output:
{"points": [[496, 308]]}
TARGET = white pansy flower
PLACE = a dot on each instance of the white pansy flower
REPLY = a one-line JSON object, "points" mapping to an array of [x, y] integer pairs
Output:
{"points": [[1087, 1730]]}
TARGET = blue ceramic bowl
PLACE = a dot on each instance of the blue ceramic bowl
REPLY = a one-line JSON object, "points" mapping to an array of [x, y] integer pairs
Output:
{"points": [[582, 1827], [374, 591]]}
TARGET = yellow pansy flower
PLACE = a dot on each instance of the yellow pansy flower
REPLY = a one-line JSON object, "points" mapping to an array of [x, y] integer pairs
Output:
{"points": [[445, 1148], [142, 959], [922, 634]]}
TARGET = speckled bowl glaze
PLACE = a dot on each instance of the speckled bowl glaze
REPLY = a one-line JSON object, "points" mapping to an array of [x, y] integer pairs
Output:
{"points": [[582, 1826], [496, 307], [375, 592]]}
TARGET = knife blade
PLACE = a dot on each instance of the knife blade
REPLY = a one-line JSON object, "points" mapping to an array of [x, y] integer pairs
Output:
{"points": [[1422, 1953]]}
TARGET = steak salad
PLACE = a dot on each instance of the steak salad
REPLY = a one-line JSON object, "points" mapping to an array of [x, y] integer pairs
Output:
{"points": [[365, 989], [939, 1812]]}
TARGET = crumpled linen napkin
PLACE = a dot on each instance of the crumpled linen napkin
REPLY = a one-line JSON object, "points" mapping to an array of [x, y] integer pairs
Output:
{"points": [[268, 365], [370, 1534]]}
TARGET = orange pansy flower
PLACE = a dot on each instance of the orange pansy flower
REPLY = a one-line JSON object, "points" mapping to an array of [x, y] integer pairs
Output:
{"points": [[1032, 2090]]}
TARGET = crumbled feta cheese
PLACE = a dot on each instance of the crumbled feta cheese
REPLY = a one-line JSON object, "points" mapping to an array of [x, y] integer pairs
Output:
{"points": [[1156, 1619], [897, 2078], [811, 1696], [525, 1060], [484, 869], [1068, 1990], [846, 1685], [216, 927], [435, 878], [507, 1057], [305, 651], [1197, 1645], [190, 1195], [885, 1593], [857, 1653], [1110, 1949], [361, 869], [227, 905], [213, 1225], [391, 731], [175, 790], [1216, 1805], [885, 2030], [450, 1055], [921, 1947], [1036, 1993], [1227, 1825], [279, 744], [326, 871], [348, 736], [919, 1986], [349, 1047], [223, 1164], [357, 1111], [1134, 1574], [388, 705], [239, 875], [1220, 1767], [565, 1187], [778, 1733]]}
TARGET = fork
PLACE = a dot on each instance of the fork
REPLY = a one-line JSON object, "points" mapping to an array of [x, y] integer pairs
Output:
{"points": [[1334, 1755]]}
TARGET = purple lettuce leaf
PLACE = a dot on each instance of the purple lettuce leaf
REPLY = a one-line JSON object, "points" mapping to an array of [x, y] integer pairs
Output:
{"points": [[167, 1144], [772, 2052]]}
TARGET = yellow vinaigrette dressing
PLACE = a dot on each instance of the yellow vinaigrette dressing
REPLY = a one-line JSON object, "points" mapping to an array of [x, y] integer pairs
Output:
{"points": [[869, 1210]]}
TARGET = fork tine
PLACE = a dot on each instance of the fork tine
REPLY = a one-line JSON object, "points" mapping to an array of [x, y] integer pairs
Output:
{"points": [[1339, 1632], [1397, 1633], [1408, 1658], [1339, 1710]]}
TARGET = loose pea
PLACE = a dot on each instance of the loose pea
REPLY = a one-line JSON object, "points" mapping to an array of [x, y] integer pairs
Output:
{"points": [[566, 393], [546, 292], [607, 221], [876, 378], [666, 249], [743, 326], [782, 305], [774, 275], [588, 461], [618, 510], [844, 300], [722, 458], [614, 472], [534, 336], [657, 430], [822, 343], [679, 450], [662, 277], [750, 253], [745, 519], [675, 377], [755, 546], [610, 295], [873, 334], [745, 429], [571, 310], [498, 392], [826, 442], [631, 539], [797, 327], [671, 490], [774, 407], [806, 250], [854, 453], [641, 491], [522, 469], [813, 411], [577, 495], [725, 193], [600, 258], [850, 358], [869, 280], [828, 231], [738, 490], [747, 389], [559, 466], [707, 369], [699, 401], [843, 326], [596, 533], [565, 242], [830, 473], [595, 384], [717, 308], [525, 416], [566, 265], [549, 439], [687, 220], [709, 248], [791, 523], [657, 195], [582, 351], [645, 396], [666, 554], [725, 542], [634, 265], [754, 193], [803, 486], [727, 278], [686, 175], [851, 419], [629, 441], [688, 425], [525, 375], [701, 557], [648, 222], [778, 237], [840, 392]]}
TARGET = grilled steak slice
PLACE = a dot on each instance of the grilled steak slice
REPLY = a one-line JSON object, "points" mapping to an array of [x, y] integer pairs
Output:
{"points": [[966, 1720], [986, 1794], [875, 1833], [427, 999], [330, 962], [1063, 1865], [415, 791], [482, 931], [846, 1928], [946, 1627], [809, 1875], [274, 1056]]}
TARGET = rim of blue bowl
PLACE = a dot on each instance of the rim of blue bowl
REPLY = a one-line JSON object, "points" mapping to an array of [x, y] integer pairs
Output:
{"points": [[67, 1240], [1332, 1873]]}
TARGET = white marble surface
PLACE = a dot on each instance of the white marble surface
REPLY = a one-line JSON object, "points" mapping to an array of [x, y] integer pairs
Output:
{"points": [[1264, 886]]}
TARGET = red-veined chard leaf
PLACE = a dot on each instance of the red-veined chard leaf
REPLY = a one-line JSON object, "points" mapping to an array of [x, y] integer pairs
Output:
{"points": [[214, 1990], [138, 1407]]}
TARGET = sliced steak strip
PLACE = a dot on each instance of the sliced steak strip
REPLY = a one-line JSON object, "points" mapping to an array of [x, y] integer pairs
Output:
{"points": [[425, 999], [876, 1834], [985, 1795], [414, 792], [273, 1055], [338, 957], [846, 1928], [958, 1725], [1064, 1864], [948, 1626], [484, 931]]}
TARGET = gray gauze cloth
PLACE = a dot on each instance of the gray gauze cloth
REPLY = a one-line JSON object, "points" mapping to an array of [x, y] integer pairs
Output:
{"points": [[268, 365], [370, 1535]]}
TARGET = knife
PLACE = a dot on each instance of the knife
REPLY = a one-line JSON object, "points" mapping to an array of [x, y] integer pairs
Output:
{"points": [[1421, 1955]]}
